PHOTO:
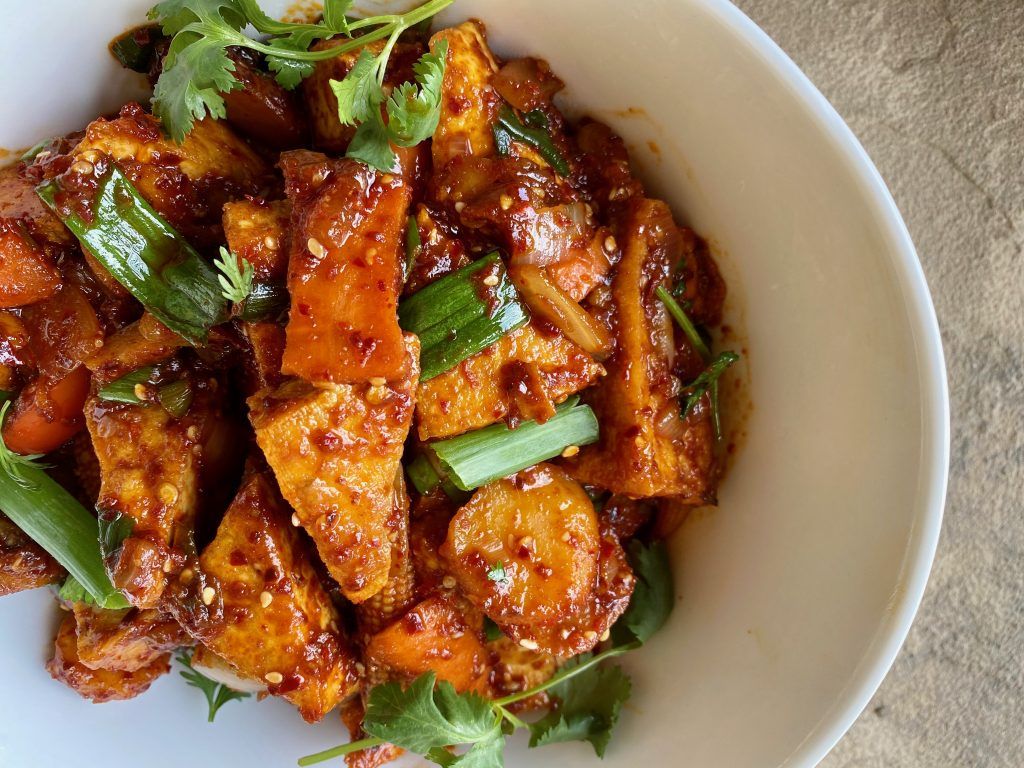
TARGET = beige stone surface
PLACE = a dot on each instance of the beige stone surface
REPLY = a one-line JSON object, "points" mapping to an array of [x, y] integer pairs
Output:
{"points": [[935, 91]]}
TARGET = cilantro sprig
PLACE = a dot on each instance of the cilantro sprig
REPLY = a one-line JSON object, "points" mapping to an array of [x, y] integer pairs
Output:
{"points": [[198, 70], [235, 282], [217, 694], [432, 719]]}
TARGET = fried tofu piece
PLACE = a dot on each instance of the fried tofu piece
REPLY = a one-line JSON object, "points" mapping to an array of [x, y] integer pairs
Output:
{"points": [[469, 103], [399, 591], [257, 232], [151, 467], [544, 366], [147, 341], [186, 183], [335, 452], [19, 204], [27, 275], [434, 636], [645, 449], [344, 270], [125, 640], [23, 563], [586, 626], [525, 549], [258, 604], [98, 685], [329, 134]]}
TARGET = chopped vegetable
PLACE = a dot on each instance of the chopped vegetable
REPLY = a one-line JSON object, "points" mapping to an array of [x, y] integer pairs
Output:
{"points": [[412, 246], [174, 396], [136, 49], [477, 458], [707, 382], [146, 255], [684, 322], [217, 694], [198, 70], [265, 301], [235, 281], [52, 518], [462, 314], [510, 128], [124, 389], [552, 303]]}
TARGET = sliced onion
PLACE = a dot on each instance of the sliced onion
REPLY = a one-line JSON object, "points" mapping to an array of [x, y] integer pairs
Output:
{"points": [[209, 664], [554, 305], [553, 232]]}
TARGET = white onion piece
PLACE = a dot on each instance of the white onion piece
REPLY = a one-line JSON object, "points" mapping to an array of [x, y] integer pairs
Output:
{"points": [[552, 303], [553, 232], [209, 664]]}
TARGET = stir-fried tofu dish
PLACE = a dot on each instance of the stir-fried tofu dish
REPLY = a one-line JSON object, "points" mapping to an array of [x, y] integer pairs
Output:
{"points": [[349, 371]]}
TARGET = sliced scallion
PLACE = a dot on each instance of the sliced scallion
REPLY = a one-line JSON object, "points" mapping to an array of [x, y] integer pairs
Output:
{"points": [[684, 322], [412, 246], [707, 382], [122, 390], [146, 255], [476, 458], [461, 314], [266, 301], [509, 127], [54, 520], [175, 397]]}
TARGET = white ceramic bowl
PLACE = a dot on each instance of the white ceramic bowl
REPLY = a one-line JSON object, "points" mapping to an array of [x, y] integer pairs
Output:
{"points": [[795, 594]]}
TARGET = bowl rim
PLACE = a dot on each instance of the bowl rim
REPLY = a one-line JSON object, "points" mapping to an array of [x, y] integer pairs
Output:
{"points": [[931, 368]]}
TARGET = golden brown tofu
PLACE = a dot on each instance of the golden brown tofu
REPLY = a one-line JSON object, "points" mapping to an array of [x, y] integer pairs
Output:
{"points": [[187, 183], [335, 452], [398, 592], [525, 549], [261, 108], [344, 270], [329, 134], [527, 366], [23, 563], [147, 341], [151, 464], [434, 636], [126, 640], [26, 273], [256, 231], [645, 449], [98, 685], [586, 626], [258, 604], [469, 104]]}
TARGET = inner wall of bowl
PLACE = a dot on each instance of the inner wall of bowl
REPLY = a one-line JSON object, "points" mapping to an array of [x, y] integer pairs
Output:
{"points": [[783, 589]]}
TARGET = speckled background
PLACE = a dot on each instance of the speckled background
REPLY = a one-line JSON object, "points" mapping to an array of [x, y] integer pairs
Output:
{"points": [[935, 91]]}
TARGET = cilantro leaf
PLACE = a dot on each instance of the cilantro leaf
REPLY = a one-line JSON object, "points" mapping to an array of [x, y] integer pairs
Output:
{"points": [[370, 145], [175, 15], [114, 528], [217, 694], [653, 596], [289, 72], [589, 706], [358, 93], [707, 381], [413, 110], [422, 718]]}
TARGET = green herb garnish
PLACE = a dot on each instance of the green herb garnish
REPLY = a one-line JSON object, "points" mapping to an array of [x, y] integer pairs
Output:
{"points": [[534, 132], [428, 717], [497, 574], [198, 69], [412, 109], [217, 694], [412, 246], [684, 322], [235, 282]]}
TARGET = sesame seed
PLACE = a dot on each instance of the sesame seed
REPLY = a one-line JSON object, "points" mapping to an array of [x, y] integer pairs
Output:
{"points": [[168, 493], [434, 238], [316, 247], [505, 201], [528, 644], [186, 576], [44, 154], [526, 542], [605, 635], [387, 178], [565, 633], [570, 451], [566, 536], [360, 668], [208, 594], [274, 678], [448, 582], [319, 176], [82, 166], [490, 280], [266, 598], [376, 395], [140, 391], [609, 243], [168, 565], [459, 206], [192, 432], [90, 155], [378, 381], [295, 520], [590, 635], [270, 242]]}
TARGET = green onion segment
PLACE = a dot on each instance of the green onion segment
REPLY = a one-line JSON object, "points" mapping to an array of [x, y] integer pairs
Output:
{"points": [[510, 128]]}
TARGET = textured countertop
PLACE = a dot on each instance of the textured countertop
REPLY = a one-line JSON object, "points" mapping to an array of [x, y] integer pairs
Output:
{"points": [[934, 89]]}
